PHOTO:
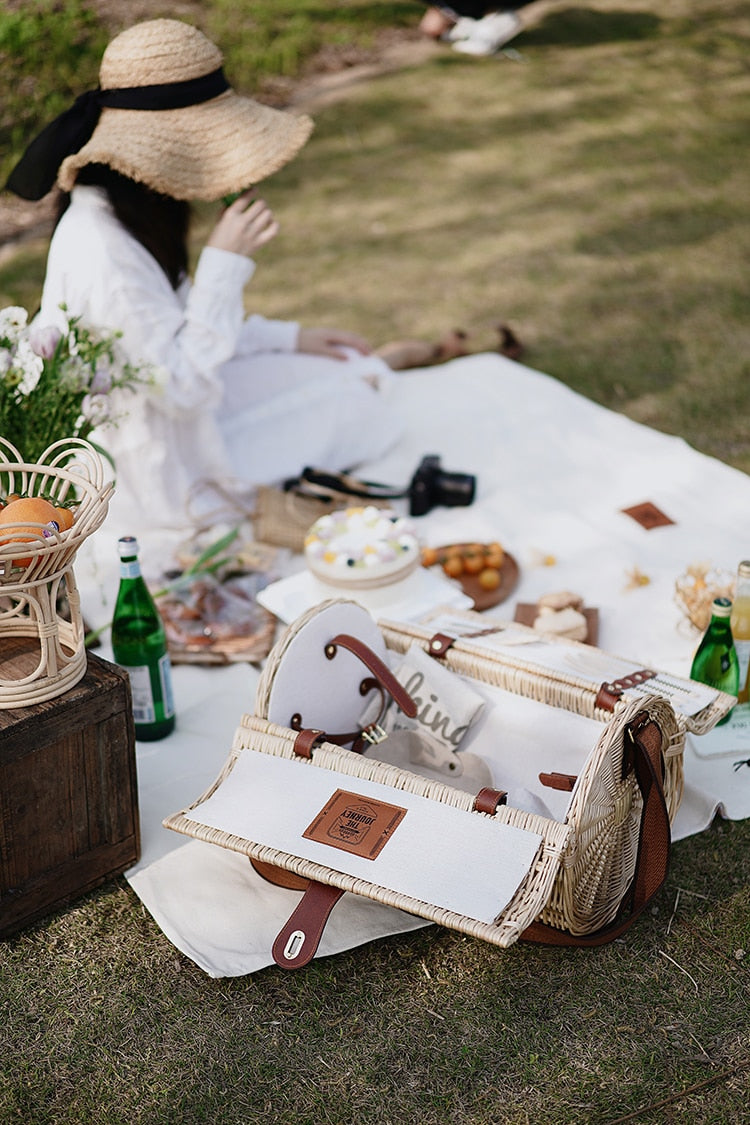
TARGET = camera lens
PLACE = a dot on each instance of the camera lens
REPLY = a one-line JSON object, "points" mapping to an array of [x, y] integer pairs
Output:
{"points": [[431, 486], [454, 490]]}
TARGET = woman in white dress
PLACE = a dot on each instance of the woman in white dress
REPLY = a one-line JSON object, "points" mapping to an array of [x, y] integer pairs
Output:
{"points": [[242, 398]]}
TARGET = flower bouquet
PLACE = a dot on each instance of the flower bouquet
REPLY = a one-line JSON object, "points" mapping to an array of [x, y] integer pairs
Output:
{"points": [[57, 386], [60, 384]]}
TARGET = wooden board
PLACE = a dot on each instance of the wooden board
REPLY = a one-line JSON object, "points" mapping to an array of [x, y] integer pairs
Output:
{"points": [[486, 599]]}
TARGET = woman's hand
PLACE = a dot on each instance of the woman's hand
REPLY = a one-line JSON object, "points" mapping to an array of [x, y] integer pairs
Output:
{"points": [[245, 226], [331, 342]]}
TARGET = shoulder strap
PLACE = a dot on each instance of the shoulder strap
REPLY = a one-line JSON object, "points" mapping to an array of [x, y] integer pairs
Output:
{"points": [[327, 485], [642, 753]]}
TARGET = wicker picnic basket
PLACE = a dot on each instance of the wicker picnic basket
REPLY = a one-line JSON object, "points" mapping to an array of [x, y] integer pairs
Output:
{"points": [[595, 869], [43, 650], [606, 807]]}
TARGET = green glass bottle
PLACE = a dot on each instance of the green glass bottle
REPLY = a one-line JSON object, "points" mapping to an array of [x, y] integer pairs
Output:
{"points": [[715, 662], [139, 645]]}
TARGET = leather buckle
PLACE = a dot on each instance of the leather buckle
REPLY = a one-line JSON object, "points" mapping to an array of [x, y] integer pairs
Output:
{"points": [[610, 692]]}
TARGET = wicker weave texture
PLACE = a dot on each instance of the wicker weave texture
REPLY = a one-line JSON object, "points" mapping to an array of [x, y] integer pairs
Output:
{"points": [[258, 734], [587, 863], [568, 691], [604, 813], [605, 809], [69, 470]]}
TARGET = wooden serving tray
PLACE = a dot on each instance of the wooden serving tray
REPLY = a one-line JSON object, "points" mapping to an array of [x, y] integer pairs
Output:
{"points": [[485, 599]]}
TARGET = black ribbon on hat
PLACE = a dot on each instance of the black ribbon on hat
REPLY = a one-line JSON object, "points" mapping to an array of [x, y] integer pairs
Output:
{"points": [[36, 171]]}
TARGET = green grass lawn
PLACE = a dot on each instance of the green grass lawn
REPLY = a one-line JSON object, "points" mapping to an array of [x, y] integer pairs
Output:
{"points": [[592, 191]]}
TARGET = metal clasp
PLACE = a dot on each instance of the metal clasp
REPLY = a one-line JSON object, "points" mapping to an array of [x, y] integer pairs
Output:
{"points": [[294, 945], [374, 734]]}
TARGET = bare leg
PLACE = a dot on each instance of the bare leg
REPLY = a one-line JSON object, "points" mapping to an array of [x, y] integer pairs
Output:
{"points": [[435, 22]]}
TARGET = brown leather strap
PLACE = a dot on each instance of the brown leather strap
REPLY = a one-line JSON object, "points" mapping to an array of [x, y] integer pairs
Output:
{"points": [[298, 940], [372, 733], [380, 671], [487, 800], [611, 691], [642, 751], [439, 643], [563, 781], [306, 741], [382, 679]]}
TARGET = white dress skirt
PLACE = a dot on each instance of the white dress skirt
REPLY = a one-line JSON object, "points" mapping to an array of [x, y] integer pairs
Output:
{"points": [[322, 412]]}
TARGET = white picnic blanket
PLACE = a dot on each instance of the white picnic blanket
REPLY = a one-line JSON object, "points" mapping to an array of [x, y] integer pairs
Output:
{"points": [[554, 473]]}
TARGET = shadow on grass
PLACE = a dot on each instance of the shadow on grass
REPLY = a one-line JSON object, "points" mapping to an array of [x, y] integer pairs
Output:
{"points": [[584, 27], [670, 226]]}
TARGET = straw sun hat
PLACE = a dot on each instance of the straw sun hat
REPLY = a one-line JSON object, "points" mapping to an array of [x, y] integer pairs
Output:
{"points": [[215, 142]]}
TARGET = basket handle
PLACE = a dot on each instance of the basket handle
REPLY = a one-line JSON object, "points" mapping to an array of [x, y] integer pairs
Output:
{"points": [[383, 680], [374, 664], [642, 752]]}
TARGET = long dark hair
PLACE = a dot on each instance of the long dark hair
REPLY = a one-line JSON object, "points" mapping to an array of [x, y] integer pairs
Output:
{"points": [[159, 222]]}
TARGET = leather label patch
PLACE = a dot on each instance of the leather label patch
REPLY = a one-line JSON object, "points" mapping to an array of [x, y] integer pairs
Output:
{"points": [[356, 824], [648, 515]]}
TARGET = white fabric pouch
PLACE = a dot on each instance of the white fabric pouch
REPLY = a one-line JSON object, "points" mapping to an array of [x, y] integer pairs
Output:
{"points": [[446, 708]]}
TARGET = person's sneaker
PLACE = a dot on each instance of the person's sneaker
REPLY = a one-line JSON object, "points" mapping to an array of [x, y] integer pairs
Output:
{"points": [[489, 34], [461, 29]]}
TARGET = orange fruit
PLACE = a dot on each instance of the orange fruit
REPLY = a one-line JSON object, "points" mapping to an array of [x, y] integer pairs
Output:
{"points": [[28, 509], [473, 563], [4, 500], [64, 518], [489, 579], [454, 566]]}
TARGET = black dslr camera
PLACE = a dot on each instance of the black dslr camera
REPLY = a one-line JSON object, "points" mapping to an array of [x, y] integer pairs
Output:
{"points": [[432, 487]]}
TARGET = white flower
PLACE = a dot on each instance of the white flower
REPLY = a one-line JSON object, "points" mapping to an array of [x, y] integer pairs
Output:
{"points": [[13, 321], [30, 366]]}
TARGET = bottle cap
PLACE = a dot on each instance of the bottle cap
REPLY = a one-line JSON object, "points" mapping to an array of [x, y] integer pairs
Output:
{"points": [[127, 546], [744, 569], [722, 607]]}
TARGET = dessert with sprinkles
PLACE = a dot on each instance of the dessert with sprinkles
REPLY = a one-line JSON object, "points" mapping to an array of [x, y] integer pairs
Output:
{"points": [[362, 547]]}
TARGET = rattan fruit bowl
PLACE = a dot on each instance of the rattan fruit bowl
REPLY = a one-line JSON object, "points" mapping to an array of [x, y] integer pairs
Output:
{"points": [[41, 652]]}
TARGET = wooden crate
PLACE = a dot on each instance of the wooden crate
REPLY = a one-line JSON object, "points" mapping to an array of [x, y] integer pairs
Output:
{"points": [[68, 792]]}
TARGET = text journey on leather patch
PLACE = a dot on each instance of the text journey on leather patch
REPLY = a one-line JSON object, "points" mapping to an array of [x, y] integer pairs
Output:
{"points": [[356, 824]]}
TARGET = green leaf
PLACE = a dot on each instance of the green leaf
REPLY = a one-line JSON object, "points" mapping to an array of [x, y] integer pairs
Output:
{"points": [[210, 552]]}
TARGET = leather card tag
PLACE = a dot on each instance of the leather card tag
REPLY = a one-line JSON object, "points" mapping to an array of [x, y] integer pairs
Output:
{"points": [[356, 824], [648, 515]]}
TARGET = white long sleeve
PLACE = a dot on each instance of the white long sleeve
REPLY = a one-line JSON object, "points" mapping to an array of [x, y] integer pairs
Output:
{"points": [[102, 273], [237, 399]]}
